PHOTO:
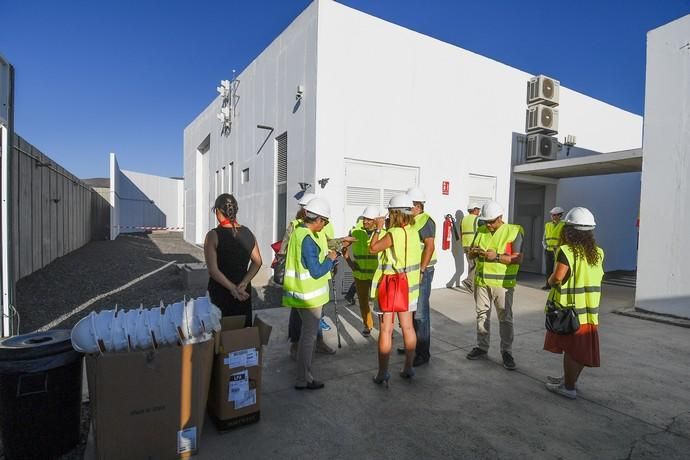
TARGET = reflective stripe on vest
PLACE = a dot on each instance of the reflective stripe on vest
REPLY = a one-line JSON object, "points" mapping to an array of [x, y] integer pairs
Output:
{"points": [[552, 235], [419, 222], [583, 289], [300, 290], [496, 274], [393, 260], [364, 262], [468, 229]]}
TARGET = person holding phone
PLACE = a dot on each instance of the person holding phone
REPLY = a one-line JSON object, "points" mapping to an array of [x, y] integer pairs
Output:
{"points": [[497, 250]]}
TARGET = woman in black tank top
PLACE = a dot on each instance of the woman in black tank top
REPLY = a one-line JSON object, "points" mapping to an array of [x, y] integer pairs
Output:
{"points": [[233, 259]]}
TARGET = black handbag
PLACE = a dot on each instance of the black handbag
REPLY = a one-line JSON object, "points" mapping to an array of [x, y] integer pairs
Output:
{"points": [[562, 320], [279, 269]]}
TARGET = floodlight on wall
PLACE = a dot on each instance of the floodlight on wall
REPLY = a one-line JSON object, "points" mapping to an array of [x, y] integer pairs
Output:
{"points": [[323, 181], [304, 186], [299, 93]]}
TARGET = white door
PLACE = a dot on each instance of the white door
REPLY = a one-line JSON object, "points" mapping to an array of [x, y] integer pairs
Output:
{"points": [[373, 184]]}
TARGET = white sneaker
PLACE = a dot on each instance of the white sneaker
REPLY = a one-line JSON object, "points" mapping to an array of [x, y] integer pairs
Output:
{"points": [[560, 389], [557, 380]]}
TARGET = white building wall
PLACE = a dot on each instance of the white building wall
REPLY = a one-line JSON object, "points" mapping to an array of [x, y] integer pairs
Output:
{"points": [[267, 90], [114, 200], [663, 271], [392, 95], [166, 208]]}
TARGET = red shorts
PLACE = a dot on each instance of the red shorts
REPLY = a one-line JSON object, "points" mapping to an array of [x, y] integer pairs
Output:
{"points": [[582, 346]]}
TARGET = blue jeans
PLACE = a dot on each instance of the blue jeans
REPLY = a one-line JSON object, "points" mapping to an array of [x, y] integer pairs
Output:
{"points": [[422, 319]]}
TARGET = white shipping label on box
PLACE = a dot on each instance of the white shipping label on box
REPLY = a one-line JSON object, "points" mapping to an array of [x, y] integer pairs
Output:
{"points": [[242, 358], [186, 440], [239, 386], [249, 400]]}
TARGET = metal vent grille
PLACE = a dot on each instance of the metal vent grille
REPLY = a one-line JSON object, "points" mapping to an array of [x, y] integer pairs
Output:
{"points": [[281, 159], [362, 196], [546, 117]]}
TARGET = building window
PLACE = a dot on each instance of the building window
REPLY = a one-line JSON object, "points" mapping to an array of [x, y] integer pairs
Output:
{"points": [[245, 175]]}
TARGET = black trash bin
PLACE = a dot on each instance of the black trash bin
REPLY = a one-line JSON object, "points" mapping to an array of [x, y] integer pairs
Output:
{"points": [[40, 395]]}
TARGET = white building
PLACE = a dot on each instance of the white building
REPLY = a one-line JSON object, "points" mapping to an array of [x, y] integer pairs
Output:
{"points": [[383, 108], [663, 272]]}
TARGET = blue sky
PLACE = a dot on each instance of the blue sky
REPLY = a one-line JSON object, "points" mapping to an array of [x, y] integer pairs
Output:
{"points": [[128, 75]]}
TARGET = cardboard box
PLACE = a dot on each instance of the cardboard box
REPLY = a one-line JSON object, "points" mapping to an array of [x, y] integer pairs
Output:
{"points": [[235, 394], [149, 404]]}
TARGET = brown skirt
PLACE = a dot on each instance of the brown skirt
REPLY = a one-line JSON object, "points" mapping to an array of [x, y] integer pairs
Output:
{"points": [[582, 346]]}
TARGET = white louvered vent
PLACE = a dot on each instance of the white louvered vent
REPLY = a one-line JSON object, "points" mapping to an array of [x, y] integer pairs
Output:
{"points": [[281, 159], [362, 196]]}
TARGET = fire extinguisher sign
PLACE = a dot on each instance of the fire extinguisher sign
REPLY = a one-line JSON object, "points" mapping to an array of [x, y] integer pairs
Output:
{"points": [[445, 187]]}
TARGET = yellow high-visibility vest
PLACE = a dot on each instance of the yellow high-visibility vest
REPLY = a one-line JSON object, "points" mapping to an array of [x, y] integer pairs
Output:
{"points": [[365, 263], [396, 260], [492, 273], [468, 227], [552, 235], [419, 222], [583, 290], [300, 290]]}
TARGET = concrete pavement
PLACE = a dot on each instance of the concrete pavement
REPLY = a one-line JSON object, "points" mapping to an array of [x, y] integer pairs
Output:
{"points": [[637, 405]]}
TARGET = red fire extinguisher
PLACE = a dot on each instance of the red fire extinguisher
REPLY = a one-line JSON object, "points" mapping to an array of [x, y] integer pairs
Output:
{"points": [[447, 225]]}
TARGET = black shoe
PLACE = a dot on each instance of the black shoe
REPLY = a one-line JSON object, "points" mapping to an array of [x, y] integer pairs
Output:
{"points": [[508, 361], [313, 385], [350, 300], [419, 361], [476, 353], [401, 351], [546, 287]]}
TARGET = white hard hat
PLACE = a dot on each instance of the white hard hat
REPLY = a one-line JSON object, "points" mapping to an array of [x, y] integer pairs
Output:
{"points": [[557, 210], [306, 198], [473, 205], [401, 200], [320, 207], [383, 212], [580, 218], [490, 211], [416, 194], [371, 212]]}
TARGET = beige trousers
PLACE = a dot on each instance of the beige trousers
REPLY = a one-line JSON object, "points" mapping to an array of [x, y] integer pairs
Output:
{"points": [[502, 300], [363, 287]]}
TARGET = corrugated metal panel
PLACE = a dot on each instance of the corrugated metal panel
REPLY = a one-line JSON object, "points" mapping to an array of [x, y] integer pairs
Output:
{"points": [[281, 159], [362, 196]]}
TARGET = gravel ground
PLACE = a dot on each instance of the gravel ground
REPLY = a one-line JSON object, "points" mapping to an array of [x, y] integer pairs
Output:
{"points": [[102, 266]]}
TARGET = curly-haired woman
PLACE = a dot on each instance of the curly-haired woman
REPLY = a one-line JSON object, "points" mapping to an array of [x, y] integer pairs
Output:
{"points": [[233, 259], [576, 278]]}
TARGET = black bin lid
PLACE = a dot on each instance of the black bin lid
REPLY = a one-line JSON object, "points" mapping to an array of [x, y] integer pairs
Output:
{"points": [[35, 345]]}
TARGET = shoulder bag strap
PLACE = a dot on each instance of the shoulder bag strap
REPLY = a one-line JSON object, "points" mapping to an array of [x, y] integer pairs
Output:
{"points": [[571, 292]]}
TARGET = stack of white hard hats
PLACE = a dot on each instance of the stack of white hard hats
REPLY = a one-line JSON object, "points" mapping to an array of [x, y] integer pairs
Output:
{"points": [[580, 218], [490, 211], [145, 329]]}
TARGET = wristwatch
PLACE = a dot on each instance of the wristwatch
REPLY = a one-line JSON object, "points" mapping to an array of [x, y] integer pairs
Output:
{"points": [[378, 230], [498, 258]]}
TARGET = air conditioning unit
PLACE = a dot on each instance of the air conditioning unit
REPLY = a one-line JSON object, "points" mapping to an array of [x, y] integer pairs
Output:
{"points": [[541, 119], [543, 90], [541, 147]]}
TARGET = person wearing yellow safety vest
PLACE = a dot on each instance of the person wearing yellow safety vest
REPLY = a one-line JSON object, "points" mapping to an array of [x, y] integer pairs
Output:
{"points": [[363, 263], [498, 252], [294, 322], [576, 279], [305, 287], [425, 226], [468, 228], [552, 235], [400, 252]]}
